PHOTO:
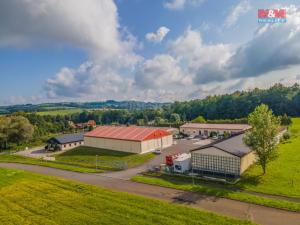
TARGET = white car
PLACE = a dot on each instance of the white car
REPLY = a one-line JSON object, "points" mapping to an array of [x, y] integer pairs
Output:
{"points": [[157, 151]]}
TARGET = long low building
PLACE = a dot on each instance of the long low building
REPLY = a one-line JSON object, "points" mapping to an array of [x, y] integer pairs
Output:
{"points": [[206, 129], [128, 139], [228, 157], [65, 142]]}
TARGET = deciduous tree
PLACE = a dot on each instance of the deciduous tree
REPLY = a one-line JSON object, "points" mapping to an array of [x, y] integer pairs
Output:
{"points": [[262, 136]]}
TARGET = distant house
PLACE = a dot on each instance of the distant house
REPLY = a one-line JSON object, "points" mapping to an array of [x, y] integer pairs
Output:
{"points": [[90, 123], [228, 157], [207, 129], [65, 142]]}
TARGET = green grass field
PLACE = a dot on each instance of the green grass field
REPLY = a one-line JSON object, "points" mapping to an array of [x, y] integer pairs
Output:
{"points": [[61, 112], [27, 160], [27, 198], [283, 174], [86, 156]]}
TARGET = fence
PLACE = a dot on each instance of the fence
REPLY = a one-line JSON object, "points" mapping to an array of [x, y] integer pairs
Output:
{"points": [[111, 165]]}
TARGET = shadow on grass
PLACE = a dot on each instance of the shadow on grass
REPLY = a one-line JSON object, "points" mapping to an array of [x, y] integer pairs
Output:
{"points": [[188, 198], [252, 180]]}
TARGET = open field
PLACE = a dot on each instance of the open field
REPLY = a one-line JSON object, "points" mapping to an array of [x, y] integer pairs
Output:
{"points": [[28, 198], [86, 156], [27, 160], [61, 112], [283, 174]]}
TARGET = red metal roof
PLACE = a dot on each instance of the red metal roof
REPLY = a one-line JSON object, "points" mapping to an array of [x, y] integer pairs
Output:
{"points": [[133, 133]]}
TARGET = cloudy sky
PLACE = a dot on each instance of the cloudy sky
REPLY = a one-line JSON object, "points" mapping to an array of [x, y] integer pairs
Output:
{"points": [[94, 50]]}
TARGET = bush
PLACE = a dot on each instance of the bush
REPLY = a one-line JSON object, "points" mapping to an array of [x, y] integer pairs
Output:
{"points": [[286, 136]]}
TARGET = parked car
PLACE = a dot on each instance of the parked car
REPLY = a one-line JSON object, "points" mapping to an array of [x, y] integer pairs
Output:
{"points": [[190, 137], [157, 151]]}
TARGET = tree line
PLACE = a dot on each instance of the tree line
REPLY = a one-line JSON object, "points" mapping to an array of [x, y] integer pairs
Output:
{"points": [[280, 99], [14, 129]]}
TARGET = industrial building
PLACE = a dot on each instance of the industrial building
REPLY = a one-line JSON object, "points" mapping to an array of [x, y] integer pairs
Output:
{"points": [[228, 157], [65, 142], [207, 129], [128, 139]]}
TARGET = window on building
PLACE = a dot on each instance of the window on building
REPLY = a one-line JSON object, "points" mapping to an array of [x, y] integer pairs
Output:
{"points": [[177, 167]]}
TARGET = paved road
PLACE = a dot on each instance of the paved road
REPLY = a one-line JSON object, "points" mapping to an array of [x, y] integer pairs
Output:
{"points": [[258, 214]]}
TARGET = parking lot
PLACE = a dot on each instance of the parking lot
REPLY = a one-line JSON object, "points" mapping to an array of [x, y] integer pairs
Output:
{"points": [[181, 146]]}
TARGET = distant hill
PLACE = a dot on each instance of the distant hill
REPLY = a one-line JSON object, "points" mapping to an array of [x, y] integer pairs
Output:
{"points": [[281, 99], [110, 104]]}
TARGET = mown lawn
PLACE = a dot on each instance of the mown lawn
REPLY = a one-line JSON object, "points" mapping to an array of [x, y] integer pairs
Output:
{"points": [[86, 156], [207, 188], [27, 160], [27, 198], [283, 174]]}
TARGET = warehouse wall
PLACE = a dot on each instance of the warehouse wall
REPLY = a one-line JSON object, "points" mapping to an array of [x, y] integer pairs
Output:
{"points": [[71, 145], [215, 160], [117, 145], [247, 161], [151, 145], [195, 131]]}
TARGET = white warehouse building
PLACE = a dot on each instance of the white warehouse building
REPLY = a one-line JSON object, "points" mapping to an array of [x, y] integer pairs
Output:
{"points": [[131, 139], [208, 128]]}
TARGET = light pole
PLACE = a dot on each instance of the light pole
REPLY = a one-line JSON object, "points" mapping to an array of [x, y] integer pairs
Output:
{"points": [[96, 162]]}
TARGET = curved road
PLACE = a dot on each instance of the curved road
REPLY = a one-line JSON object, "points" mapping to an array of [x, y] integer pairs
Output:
{"points": [[255, 213]]}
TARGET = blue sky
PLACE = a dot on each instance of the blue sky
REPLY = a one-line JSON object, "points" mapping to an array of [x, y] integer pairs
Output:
{"points": [[52, 51]]}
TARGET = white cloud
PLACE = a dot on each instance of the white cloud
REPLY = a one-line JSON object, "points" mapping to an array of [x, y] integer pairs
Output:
{"points": [[203, 61], [90, 25], [273, 47], [88, 81], [159, 35], [163, 71], [180, 4], [240, 9]]}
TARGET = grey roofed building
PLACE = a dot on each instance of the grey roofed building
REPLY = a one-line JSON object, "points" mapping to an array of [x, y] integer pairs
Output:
{"points": [[68, 138], [65, 142], [229, 156], [234, 145]]}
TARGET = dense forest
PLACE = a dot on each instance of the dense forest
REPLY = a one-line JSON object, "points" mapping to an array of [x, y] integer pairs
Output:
{"points": [[239, 104]]}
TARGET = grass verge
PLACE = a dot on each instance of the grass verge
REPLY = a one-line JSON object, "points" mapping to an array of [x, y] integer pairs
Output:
{"points": [[27, 160], [182, 183], [59, 201]]}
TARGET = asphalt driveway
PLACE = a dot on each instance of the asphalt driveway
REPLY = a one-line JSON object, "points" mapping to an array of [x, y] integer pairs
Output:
{"points": [[181, 146]]}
